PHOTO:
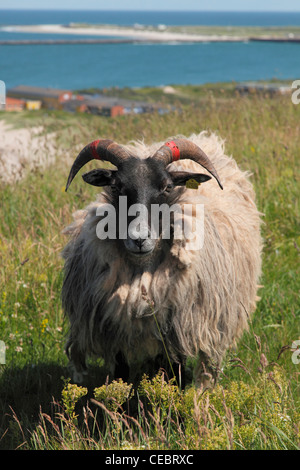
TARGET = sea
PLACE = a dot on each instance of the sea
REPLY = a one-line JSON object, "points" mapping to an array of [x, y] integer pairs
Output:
{"points": [[82, 66]]}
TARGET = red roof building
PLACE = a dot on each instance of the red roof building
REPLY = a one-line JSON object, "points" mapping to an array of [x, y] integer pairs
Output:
{"points": [[14, 104], [51, 98]]}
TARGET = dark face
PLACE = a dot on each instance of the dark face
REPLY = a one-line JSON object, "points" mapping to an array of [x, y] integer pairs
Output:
{"points": [[142, 184]]}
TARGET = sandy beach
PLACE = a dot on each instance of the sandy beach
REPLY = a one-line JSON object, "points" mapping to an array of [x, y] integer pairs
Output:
{"points": [[119, 34], [139, 34]]}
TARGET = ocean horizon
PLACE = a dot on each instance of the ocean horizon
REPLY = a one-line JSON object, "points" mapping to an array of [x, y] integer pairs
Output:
{"points": [[82, 66], [149, 17]]}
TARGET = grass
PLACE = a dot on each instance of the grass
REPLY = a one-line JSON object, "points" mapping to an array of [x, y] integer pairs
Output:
{"points": [[256, 404], [240, 31]]}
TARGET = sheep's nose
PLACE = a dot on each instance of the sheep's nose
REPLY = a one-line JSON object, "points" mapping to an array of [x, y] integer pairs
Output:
{"points": [[141, 241], [139, 235]]}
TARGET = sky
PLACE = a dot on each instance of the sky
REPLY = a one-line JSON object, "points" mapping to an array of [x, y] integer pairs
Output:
{"points": [[184, 5]]}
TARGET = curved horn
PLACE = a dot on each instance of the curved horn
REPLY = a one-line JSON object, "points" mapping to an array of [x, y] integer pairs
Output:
{"points": [[180, 149], [102, 149]]}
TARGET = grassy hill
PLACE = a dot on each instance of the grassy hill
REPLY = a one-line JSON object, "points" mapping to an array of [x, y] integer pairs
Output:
{"points": [[256, 404]]}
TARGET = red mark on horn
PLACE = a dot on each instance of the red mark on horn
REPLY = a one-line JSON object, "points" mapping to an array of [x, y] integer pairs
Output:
{"points": [[93, 147], [175, 150]]}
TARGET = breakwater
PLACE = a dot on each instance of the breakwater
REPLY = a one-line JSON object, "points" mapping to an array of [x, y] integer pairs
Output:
{"points": [[33, 42]]}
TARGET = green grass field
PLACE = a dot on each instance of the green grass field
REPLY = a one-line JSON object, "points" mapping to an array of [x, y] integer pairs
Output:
{"points": [[256, 404]]}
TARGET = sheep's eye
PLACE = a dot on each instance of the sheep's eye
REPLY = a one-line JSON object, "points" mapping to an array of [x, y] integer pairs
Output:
{"points": [[114, 188], [168, 188]]}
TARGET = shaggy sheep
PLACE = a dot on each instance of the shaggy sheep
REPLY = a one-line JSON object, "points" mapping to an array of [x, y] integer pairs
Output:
{"points": [[144, 303]]}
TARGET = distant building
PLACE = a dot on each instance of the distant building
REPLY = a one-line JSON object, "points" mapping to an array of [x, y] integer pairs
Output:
{"points": [[111, 106], [33, 105], [102, 105], [50, 98], [75, 105], [271, 88], [14, 104], [116, 111]]}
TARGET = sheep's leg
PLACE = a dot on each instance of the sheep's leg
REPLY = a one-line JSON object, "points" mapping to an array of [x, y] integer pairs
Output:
{"points": [[205, 372], [173, 369], [177, 370], [122, 368], [77, 365]]}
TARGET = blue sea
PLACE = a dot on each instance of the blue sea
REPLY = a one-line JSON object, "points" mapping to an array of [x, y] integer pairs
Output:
{"points": [[135, 65]]}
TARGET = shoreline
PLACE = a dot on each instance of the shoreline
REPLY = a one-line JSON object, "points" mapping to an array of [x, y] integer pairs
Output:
{"points": [[51, 42], [117, 35], [120, 32]]}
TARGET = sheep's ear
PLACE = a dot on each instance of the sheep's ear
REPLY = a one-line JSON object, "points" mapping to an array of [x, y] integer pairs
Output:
{"points": [[180, 178], [99, 177]]}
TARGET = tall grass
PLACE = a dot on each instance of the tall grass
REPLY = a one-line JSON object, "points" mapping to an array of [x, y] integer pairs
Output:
{"points": [[256, 404]]}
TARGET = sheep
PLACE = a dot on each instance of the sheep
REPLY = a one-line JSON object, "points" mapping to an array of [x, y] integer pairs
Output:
{"points": [[145, 303]]}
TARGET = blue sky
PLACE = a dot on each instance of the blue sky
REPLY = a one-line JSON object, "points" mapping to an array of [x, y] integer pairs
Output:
{"points": [[185, 5]]}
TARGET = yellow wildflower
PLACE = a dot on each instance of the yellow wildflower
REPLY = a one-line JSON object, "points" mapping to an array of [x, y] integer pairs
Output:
{"points": [[44, 324]]}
